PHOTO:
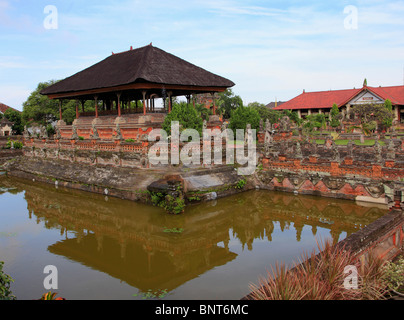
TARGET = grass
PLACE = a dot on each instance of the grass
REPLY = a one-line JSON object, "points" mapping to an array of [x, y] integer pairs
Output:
{"points": [[323, 277], [344, 142]]}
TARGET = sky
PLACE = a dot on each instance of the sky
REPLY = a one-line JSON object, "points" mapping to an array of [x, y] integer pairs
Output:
{"points": [[271, 50]]}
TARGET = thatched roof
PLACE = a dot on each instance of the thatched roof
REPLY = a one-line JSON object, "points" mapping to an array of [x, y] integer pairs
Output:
{"points": [[146, 65]]}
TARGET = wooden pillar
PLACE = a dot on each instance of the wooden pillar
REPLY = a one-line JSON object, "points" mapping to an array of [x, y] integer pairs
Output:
{"points": [[77, 109], [144, 102], [119, 103], [96, 106], [82, 105], [214, 103]]}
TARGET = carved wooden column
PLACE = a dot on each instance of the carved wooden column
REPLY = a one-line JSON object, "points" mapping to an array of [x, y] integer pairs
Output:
{"points": [[144, 102], [119, 103], [96, 106]]}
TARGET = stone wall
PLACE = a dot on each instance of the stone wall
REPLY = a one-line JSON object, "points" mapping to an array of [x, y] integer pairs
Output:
{"points": [[356, 172]]}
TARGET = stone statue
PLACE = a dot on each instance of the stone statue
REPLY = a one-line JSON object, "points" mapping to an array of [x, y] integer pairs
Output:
{"points": [[43, 132], [205, 125], [118, 134], [94, 135], [335, 153], [285, 124], [58, 135], [298, 151], [248, 133], [378, 151], [391, 153], [26, 133], [75, 136], [268, 133]]}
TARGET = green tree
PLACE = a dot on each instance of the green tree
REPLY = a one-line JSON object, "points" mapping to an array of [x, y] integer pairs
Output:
{"points": [[388, 122], [314, 121], [186, 115], [40, 109], [203, 111], [242, 116], [15, 117], [293, 115], [228, 102], [371, 114], [335, 116]]}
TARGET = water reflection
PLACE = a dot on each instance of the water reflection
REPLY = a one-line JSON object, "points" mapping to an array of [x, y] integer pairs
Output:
{"points": [[138, 244]]}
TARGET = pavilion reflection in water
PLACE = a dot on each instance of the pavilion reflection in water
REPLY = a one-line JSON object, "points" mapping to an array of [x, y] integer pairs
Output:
{"points": [[129, 241]]}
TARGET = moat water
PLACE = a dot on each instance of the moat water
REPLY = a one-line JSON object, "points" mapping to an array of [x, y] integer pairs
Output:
{"points": [[107, 248]]}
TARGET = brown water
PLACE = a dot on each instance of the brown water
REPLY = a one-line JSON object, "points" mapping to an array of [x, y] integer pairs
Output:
{"points": [[106, 248]]}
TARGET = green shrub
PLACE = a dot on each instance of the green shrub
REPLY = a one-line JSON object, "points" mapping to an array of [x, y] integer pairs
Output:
{"points": [[5, 283], [15, 144], [241, 184]]}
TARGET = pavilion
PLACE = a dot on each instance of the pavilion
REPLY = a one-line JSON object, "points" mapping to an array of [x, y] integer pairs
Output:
{"points": [[138, 74]]}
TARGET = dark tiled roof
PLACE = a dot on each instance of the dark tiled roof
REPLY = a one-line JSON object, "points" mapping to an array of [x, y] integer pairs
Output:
{"points": [[146, 64], [273, 104]]}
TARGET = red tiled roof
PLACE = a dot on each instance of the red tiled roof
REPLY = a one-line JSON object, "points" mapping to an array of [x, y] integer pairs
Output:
{"points": [[326, 99], [3, 107], [394, 94]]}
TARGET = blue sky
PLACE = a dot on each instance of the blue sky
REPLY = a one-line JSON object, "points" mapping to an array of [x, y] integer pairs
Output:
{"points": [[270, 49]]}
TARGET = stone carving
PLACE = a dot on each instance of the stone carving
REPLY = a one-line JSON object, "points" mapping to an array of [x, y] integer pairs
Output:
{"points": [[268, 133], [298, 151], [26, 133], [248, 133], [75, 136], [58, 135], [205, 125], [94, 135], [118, 134], [335, 153], [43, 132], [391, 153], [116, 159], [285, 124]]}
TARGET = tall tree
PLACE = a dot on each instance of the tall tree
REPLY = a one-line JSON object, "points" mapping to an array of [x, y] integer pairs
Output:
{"points": [[228, 102], [40, 109], [15, 117], [186, 115], [242, 116], [335, 116], [372, 115]]}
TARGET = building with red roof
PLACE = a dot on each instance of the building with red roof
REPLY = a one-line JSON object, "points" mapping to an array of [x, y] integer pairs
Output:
{"points": [[4, 107], [322, 101]]}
